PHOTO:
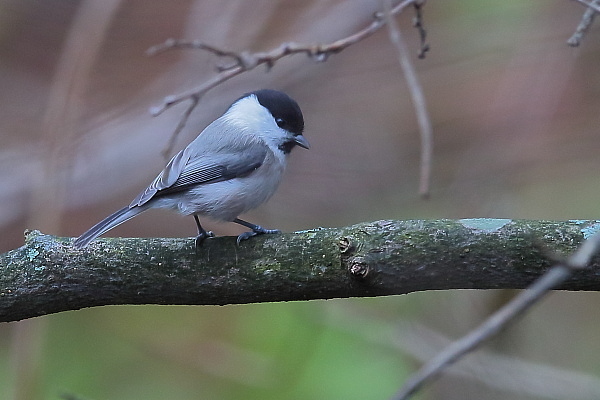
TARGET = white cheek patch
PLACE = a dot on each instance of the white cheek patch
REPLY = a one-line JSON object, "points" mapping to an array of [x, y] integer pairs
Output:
{"points": [[249, 116], [249, 113]]}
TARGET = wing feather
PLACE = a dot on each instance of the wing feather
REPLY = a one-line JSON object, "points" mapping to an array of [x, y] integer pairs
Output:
{"points": [[186, 170]]}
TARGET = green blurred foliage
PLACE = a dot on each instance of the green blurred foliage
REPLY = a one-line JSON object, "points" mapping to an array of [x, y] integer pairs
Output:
{"points": [[266, 351]]}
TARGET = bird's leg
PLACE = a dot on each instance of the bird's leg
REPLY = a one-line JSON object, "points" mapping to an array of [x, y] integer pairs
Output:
{"points": [[202, 234], [256, 230]]}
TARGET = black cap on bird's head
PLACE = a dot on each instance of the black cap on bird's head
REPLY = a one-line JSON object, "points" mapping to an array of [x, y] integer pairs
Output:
{"points": [[284, 109], [286, 112]]}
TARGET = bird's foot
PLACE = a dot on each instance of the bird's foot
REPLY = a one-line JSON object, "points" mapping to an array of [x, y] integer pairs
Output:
{"points": [[202, 236], [256, 230]]}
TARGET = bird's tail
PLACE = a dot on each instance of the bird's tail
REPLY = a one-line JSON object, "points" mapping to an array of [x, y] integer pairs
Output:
{"points": [[116, 218]]}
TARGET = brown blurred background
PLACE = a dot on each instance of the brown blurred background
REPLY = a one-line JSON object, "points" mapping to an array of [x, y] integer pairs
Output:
{"points": [[515, 118]]}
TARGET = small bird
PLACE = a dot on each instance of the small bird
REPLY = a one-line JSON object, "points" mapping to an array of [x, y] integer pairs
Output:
{"points": [[233, 166]]}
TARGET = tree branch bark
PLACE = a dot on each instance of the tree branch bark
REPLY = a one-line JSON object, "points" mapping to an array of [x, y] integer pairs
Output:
{"points": [[48, 275]]}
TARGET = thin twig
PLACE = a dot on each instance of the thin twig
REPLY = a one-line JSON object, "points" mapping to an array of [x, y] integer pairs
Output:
{"points": [[418, 23], [170, 44], [590, 4], [246, 61], [501, 318], [186, 115], [417, 96], [586, 21]]}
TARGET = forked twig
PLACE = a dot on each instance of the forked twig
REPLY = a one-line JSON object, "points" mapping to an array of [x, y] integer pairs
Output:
{"points": [[246, 61]]}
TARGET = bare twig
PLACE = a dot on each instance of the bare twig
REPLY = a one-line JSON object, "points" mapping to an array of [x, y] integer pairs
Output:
{"points": [[186, 115], [170, 44], [416, 94], [499, 320], [512, 375], [590, 4], [418, 23], [246, 61], [516, 377], [586, 21]]}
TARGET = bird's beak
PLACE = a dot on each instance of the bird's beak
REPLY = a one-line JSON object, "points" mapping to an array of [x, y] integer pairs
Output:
{"points": [[301, 141]]}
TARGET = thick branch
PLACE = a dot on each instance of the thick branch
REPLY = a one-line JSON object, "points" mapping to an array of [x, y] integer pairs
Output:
{"points": [[48, 275]]}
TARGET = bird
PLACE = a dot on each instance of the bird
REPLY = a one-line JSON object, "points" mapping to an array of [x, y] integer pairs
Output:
{"points": [[234, 165]]}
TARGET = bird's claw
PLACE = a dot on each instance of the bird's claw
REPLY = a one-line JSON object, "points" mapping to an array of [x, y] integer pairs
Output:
{"points": [[202, 236], [257, 230]]}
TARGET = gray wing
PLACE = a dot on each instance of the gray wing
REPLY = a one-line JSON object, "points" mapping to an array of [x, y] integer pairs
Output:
{"points": [[185, 170]]}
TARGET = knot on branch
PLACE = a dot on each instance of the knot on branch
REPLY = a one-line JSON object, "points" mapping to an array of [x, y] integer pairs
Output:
{"points": [[358, 268]]}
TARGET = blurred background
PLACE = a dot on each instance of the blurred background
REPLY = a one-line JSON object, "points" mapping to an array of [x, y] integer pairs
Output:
{"points": [[515, 118]]}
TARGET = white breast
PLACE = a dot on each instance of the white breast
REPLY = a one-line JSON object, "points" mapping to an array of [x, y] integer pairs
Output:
{"points": [[228, 199]]}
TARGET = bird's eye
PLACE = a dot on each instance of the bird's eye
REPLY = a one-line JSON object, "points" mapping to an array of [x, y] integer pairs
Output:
{"points": [[280, 122]]}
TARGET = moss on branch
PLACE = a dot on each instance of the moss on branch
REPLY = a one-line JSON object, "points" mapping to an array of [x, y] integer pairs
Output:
{"points": [[48, 275]]}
